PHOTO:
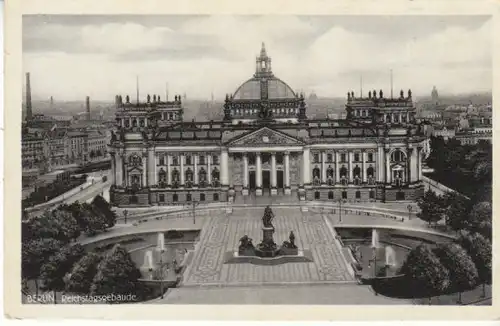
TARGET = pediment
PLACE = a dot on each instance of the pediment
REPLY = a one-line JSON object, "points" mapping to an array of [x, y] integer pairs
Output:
{"points": [[264, 137], [135, 169]]}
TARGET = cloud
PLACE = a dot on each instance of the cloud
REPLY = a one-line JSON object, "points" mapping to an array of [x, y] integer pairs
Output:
{"points": [[217, 53]]}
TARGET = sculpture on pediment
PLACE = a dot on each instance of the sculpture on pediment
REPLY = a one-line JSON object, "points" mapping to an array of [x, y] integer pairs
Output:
{"points": [[265, 111]]}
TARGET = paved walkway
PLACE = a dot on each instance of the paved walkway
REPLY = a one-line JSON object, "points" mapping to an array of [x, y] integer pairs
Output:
{"points": [[334, 294], [223, 233]]}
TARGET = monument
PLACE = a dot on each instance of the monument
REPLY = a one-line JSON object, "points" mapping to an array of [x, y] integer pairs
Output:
{"points": [[267, 248]]}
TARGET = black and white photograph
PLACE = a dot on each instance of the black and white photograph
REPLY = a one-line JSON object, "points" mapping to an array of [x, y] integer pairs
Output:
{"points": [[230, 159]]}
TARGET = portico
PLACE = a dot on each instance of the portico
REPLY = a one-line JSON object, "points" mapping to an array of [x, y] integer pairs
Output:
{"points": [[266, 168]]}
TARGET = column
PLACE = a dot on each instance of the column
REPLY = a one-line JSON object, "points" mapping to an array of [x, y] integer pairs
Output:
{"points": [[274, 189], [245, 174], [209, 168], [113, 169], [380, 168], [349, 155], [258, 174], [337, 167], [145, 122], [306, 167], [407, 117], [363, 168], [119, 169], [182, 169], [409, 172], [224, 172], [288, 190], [195, 158], [130, 122], [169, 171], [419, 162], [323, 168], [144, 169], [388, 166], [151, 167]]}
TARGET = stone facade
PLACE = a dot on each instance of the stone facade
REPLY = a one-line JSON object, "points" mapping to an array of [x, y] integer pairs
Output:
{"points": [[267, 146]]}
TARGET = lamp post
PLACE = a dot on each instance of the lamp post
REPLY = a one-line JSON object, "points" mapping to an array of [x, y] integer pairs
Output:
{"points": [[340, 210], [410, 209], [125, 213], [193, 205]]}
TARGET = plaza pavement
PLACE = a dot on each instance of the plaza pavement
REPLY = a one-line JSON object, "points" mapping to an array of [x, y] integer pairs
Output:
{"points": [[321, 294], [223, 233]]}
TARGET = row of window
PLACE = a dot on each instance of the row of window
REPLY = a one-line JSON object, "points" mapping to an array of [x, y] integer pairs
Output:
{"points": [[275, 111], [189, 160], [370, 172], [357, 195], [343, 158], [189, 197]]}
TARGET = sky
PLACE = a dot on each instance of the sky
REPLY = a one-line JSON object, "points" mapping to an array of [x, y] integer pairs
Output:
{"points": [[70, 57]]}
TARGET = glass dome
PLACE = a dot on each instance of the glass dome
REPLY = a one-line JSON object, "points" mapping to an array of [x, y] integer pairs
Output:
{"points": [[251, 89]]}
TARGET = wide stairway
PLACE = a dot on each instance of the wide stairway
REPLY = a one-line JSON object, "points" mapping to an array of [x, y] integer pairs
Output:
{"points": [[266, 198]]}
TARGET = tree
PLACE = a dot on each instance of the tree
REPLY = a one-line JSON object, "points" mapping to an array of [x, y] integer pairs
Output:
{"points": [[57, 224], [80, 278], [457, 210], [116, 274], [103, 206], [462, 270], [34, 254], [479, 249], [431, 207], [425, 273], [480, 213], [53, 272]]}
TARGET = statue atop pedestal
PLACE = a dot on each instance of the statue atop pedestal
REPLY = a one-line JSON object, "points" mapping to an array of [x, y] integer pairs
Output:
{"points": [[267, 218]]}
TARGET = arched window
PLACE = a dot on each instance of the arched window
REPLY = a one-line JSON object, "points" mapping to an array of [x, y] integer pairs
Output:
{"points": [[134, 123], [127, 123], [215, 174], [216, 197], [343, 172], [175, 178], [397, 156], [202, 177], [316, 176], [188, 197], [330, 195], [175, 198], [202, 197], [141, 122], [356, 171], [370, 172], [189, 175], [162, 178], [175, 160], [329, 172], [372, 194], [358, 194], [344, 194], [317, 195]]}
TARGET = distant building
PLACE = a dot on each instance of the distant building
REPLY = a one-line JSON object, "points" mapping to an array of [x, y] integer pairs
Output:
{"points": [[33, 151], [97, 145], [435, 96]]}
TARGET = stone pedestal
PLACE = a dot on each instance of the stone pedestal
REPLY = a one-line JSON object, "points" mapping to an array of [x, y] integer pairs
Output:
{"points": [[274, 191], [244, 192], [267, 234], [258, 192], [304, 209], [288, 191]]}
